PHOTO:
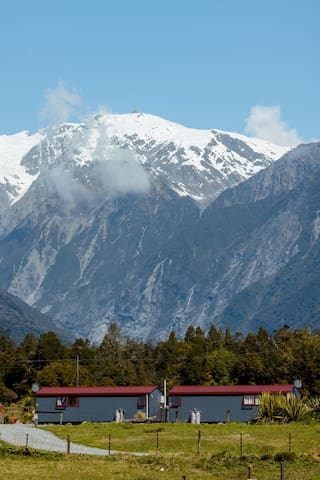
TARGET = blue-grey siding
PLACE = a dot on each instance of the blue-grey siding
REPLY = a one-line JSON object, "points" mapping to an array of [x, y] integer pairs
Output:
{"points": [[95, 408], [219, 408]]}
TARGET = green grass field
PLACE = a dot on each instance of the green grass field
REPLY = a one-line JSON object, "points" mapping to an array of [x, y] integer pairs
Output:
{"points": [[224, 452]]}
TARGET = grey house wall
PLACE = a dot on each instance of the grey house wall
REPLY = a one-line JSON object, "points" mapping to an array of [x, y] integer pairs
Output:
{"points": [[219, 408], [95, 408]]}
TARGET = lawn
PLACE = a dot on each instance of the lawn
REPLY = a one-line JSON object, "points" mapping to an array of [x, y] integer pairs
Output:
{"points": [[177, 451]]}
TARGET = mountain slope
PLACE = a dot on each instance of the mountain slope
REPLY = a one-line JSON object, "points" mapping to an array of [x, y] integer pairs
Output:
{"points": [[114, 227], [198, 163], [259, 258], [14, 180], [17, 318]]}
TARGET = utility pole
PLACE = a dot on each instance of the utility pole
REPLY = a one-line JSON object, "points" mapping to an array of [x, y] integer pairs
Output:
{"points": [[77, 372], [165, 399]]}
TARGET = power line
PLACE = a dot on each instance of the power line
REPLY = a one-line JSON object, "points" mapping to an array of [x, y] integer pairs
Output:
{"points": [[13, 362]]}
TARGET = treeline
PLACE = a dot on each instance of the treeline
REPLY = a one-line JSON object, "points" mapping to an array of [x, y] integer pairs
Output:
{"points": [[215, 358]]}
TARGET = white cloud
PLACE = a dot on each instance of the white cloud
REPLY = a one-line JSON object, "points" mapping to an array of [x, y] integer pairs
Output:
{"points": [[116, 175], [111, 173], [60, 104], [266, 123], [120, 174]]}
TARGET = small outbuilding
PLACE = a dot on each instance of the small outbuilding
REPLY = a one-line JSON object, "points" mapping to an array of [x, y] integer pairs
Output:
{"points": [[219, 403], [97, 404]]}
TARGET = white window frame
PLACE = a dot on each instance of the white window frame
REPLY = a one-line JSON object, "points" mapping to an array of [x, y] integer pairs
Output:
{"points": [[250, 400]]}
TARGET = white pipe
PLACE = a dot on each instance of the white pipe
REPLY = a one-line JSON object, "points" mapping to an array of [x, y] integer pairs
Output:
{"points": [[147, 405]]}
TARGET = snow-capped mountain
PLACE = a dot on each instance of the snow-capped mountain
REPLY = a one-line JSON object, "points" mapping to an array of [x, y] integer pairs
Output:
{"points": [[119, 218], [14, 180], [197, 163]]}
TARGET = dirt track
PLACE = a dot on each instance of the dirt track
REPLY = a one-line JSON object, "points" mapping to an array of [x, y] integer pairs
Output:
{"points": [[36, 437]]}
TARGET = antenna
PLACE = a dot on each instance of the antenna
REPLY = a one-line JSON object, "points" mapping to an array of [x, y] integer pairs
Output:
{"points": [[35, 387], [298, 383]]}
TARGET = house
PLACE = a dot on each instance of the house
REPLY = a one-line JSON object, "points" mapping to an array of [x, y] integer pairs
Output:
{"points": [[96, 404], [219, 403]]}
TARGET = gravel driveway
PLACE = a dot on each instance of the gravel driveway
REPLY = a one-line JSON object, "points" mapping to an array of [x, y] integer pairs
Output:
{"points": [[34, 437]]}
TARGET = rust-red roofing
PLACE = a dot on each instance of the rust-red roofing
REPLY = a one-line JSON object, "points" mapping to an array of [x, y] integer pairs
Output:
{"points": [[229, 389], [94, 391]]}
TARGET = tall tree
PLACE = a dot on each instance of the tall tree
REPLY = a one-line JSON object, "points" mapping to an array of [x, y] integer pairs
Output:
{"points": [[49, 348], [109, 361]]}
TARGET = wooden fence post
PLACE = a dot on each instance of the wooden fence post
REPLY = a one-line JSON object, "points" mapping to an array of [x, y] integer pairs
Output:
{"points": [[68, 444], [199, 441], [250, 473]]}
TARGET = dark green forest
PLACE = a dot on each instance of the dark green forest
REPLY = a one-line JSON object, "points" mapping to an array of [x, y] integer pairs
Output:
{"points": [[216, 358]]}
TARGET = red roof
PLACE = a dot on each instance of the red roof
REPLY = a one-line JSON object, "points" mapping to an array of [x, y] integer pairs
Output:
{"points": [[94, 391], [229, 389]]}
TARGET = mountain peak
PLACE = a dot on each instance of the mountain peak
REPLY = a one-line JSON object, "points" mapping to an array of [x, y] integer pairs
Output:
{"points": [[193, 162], [114, 227]]}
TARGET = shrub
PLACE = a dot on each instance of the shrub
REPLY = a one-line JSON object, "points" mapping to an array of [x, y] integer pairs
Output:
{"points": [[281, 408], [285, 457], [266, 456], [7, 395], [293, 409], [140, 415], [269, 408], [314, 405]]}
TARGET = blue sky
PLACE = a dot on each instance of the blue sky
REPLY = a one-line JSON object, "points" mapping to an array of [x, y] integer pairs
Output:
{"points": [[204, 63]]}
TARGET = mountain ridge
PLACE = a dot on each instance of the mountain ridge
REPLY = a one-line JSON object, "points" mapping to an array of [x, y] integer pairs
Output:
{"points": [[163, 147], [120, 228], [18, 319]]}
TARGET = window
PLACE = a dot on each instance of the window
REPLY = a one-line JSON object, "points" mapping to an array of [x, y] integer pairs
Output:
{"points": [[73, 401], [250, 400], [141, 401], [63, 402], [175, 401]]}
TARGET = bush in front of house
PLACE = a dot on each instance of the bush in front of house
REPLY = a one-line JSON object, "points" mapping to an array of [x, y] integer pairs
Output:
{"points": [[281, 408]]}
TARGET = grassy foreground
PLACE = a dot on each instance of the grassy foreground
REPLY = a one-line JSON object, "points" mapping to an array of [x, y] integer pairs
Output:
{"points": [[176, 451]]}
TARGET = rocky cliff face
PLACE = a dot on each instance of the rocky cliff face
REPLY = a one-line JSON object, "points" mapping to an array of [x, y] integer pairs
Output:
{"points": [[253, 256], [112, 226]]}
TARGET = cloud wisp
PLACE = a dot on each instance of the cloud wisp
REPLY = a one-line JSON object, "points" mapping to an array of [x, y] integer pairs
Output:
{"points": [[265, 122], [117, 175], [107, 172], [60, 105]]}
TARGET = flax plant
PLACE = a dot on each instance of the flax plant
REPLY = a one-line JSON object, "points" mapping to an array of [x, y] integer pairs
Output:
{"points": [[293, 409], [281, 408], [269, 408]]}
